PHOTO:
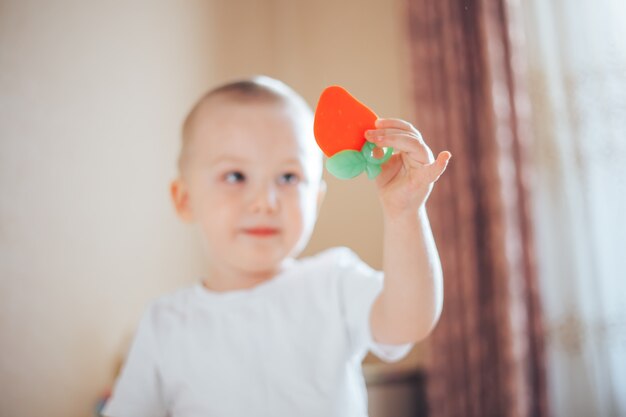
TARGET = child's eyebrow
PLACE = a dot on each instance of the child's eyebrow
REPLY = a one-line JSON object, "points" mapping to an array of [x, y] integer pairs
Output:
{"points": [[292, 161], [231, 159], [228, 159]]}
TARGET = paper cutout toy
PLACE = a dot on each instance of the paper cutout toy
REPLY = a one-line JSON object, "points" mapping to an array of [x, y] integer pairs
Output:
{"points": [[340, 124]]}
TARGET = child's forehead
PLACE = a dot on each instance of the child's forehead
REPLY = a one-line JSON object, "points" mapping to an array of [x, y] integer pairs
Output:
{"points": [[247, 121], [254, 131], [247, 114]]}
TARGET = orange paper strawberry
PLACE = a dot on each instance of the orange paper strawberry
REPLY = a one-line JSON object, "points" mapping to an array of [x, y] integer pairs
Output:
{"points": [[340, 124]]}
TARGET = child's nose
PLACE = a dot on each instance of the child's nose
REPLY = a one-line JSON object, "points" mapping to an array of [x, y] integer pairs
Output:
{"points": [[265, 199]]}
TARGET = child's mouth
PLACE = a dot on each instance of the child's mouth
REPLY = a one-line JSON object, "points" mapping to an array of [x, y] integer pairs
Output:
{"points": [[261, 231]]}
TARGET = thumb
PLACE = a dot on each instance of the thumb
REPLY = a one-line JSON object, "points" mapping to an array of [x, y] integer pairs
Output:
{"points": [[439, 166]]}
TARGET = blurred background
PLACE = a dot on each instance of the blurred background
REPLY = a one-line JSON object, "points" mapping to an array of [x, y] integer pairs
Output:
{"points": [[530, 98]]}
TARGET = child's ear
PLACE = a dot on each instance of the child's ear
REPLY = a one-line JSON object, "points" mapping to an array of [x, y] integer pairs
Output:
{"points": [[321, 194], [180, 197]]}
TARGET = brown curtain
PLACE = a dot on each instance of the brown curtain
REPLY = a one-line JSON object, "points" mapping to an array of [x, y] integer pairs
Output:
{"points": [[486, 355]]}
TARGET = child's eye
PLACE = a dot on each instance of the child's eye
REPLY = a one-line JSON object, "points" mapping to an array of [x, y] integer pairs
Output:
{"points": [[289, 178], [234, 177]]}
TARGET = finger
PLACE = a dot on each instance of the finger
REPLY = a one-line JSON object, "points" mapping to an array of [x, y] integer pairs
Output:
{"points": [[374, 133], [397, 124], [390, 170], [439, 166], [417, 150]]}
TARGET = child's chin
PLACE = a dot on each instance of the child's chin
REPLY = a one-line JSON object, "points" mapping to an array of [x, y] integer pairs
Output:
{"points": [[263, 261]]}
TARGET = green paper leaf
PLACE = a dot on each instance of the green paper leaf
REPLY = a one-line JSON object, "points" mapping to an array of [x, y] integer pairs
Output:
{"points": [[372, 170], [349, 163], [346, 164]]}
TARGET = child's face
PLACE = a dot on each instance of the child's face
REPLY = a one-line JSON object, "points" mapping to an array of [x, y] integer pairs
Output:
{"points": [[253, 184]]}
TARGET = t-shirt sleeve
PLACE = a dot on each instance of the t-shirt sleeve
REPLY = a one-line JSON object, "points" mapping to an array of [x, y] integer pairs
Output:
{"points": [[359, 286], [137, 391]]}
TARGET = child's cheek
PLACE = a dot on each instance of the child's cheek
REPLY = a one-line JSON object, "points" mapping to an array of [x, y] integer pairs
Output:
{"points": [[226, 201]]}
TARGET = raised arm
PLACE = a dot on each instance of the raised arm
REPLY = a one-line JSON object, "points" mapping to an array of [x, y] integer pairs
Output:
{"points": [[410, 303]]}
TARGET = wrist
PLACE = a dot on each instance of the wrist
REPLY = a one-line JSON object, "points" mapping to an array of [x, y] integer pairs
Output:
{"points": [[404, 217], [402, 209], [405, 205]]}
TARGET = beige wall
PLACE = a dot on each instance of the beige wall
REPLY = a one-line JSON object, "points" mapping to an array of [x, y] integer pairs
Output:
{"points": [[91, 98]]}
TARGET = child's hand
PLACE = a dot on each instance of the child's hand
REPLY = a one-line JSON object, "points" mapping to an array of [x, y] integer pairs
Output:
{"points": [[407, 178]]}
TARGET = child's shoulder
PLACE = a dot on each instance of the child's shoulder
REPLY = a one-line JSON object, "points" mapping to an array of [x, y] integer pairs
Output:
{"points": [[333, 256], [172, 306], [175, 299], [335, 261]]}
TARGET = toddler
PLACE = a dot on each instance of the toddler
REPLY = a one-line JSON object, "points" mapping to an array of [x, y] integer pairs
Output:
{"points": [[265, 334]]}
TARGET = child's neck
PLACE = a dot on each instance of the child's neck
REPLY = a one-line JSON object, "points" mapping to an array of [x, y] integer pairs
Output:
{"points": [[222, 278]]}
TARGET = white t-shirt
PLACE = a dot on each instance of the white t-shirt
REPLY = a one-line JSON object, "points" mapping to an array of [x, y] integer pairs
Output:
{"points": [[291, 346]]}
